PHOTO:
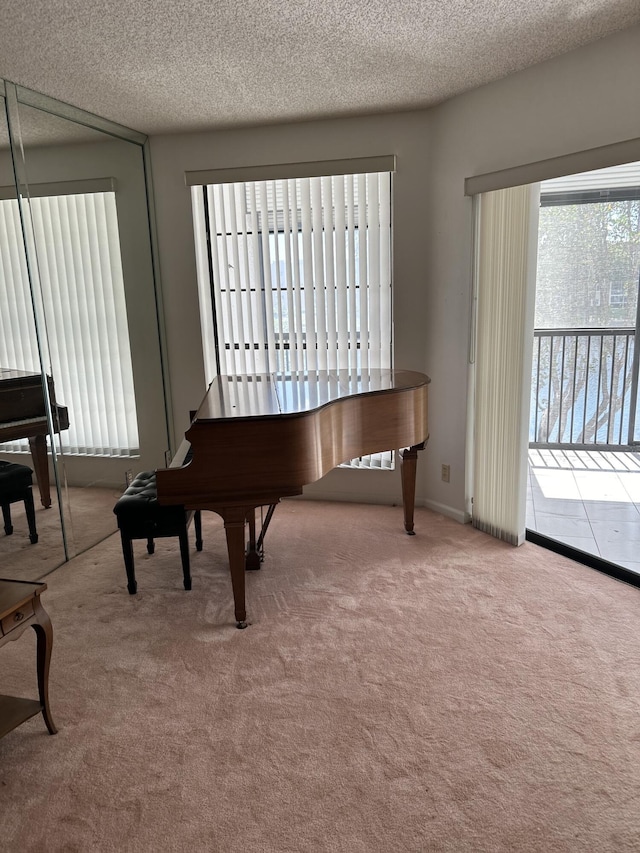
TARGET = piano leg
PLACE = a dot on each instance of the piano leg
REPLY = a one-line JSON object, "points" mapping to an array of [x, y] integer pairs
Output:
{"points": [[38, 446], [409, 458], [234, 524]]}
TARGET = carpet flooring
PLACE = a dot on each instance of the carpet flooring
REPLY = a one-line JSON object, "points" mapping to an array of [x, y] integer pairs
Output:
{"points": [[89, 519], [442, 692]]}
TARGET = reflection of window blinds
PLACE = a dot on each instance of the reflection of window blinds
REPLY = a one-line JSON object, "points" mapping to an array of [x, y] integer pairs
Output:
{"points": [[80, 273], [301, 274]]}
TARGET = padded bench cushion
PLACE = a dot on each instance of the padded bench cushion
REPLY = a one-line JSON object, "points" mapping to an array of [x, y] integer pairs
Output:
{"points": [[139, 505], [14, 477]]}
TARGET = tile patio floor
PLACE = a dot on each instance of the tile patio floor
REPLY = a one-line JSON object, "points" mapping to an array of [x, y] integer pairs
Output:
{"points": [[589, 500]]}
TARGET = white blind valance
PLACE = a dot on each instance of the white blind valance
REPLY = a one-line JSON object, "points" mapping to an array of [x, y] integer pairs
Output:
{"points": [[283, 171]]}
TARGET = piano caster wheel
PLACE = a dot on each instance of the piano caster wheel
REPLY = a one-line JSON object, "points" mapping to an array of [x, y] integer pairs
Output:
{"points": [[411, 533], [33, 539], [242, 624]]}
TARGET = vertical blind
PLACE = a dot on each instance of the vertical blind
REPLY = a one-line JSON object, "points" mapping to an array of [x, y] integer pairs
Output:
{"points": [[82, 300], [294, 275], [506, 254]]}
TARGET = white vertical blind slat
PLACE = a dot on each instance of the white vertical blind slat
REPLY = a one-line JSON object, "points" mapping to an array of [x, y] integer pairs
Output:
{"points": [[268, 284], [225, 277], [351, 275], [386, 319], [245, 274], [329, 272], [204, 288], [319, 273], [373, 265], [236, 277], [297, 281], [276, 279], [307, 253], [260, 354], [362, 271], [340, 300], [290, 233]]}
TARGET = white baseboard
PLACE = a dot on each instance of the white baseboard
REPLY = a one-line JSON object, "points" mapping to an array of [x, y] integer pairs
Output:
{"points": [[369, 498], [449, 511]]}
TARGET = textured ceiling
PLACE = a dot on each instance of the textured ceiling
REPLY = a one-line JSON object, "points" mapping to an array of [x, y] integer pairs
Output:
{"points": [[176, 65]]}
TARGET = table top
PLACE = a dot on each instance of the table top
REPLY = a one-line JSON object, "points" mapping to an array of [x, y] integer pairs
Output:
{"points": [[15, 593]]}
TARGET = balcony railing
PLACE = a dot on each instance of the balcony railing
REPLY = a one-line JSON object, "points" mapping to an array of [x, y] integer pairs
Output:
{"points": [[584, 388]]}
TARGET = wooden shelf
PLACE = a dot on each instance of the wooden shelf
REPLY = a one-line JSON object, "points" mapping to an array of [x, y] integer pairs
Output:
{"points": [[14, 711]]}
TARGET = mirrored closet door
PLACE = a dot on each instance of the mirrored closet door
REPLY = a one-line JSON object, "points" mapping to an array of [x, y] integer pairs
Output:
{"points": [[82, 203]]}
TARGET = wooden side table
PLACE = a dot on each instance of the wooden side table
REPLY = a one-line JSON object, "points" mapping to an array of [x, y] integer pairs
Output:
{"points": [[20, 607]]}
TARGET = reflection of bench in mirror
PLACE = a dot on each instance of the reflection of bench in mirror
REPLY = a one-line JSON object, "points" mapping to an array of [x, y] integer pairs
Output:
{"points": [[140, 516], [16, 486], [22, 404]]}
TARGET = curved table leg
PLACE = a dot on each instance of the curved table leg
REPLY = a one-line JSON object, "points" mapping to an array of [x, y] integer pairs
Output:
{"points": [[44, 633]]}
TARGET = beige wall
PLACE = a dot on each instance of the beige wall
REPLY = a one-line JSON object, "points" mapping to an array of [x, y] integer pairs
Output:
{"points": [[584, 99]]}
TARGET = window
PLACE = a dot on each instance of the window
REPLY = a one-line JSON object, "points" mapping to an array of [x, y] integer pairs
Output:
{"points": [[584, 380], [82, 288], [588, 259], [295, 275]]}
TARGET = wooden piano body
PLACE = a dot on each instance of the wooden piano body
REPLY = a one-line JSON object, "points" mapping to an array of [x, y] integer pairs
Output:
{"points": [[23, 415], [256, 439]]}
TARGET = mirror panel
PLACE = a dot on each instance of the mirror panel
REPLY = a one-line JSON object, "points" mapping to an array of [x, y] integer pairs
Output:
{"points": [[84, 202], [22, 392]]}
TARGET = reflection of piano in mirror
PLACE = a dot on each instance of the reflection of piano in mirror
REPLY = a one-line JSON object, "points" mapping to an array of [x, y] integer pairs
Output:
{"points": [[256, 439], [23, 415]]}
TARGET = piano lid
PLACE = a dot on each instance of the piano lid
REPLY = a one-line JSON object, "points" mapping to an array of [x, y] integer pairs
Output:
{"points": [[269, 394], [9, 373], [22, 397]]}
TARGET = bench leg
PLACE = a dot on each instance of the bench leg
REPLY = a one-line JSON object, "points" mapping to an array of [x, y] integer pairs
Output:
{"points": [[127, 552], [197, 523], [184, 553], [31, 516], [151, 545], [6, 516]]}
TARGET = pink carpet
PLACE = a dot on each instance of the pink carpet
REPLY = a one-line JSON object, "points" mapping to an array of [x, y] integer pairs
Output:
{"points": [[443, 692]]}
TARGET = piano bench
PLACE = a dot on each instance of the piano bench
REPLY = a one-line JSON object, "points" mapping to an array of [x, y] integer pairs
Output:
{"points": [[140, 516], [16, 485]]}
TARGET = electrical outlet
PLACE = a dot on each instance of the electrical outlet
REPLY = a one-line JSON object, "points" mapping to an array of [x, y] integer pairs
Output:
{"points": [[128, 475], [445, 473]]}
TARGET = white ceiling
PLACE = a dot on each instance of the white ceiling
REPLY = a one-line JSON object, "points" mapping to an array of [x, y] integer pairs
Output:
{"points": [[177, 65]]}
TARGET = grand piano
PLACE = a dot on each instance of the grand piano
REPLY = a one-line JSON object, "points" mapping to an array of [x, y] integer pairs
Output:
{"points": [[23, 415], [256, 439]]}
